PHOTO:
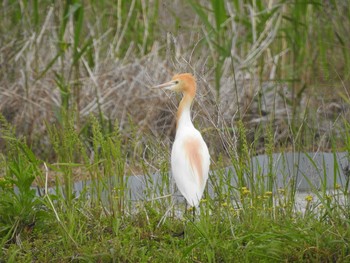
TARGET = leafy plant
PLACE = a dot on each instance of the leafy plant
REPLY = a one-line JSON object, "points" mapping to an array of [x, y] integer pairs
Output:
{"points": [[19, 204]]}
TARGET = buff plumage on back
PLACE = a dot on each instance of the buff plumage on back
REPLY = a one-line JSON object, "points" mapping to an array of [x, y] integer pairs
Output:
{"points": [[192, 150]]}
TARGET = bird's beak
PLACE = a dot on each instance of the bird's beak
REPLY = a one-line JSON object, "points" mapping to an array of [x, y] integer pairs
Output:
{"points": [[166, 85]]}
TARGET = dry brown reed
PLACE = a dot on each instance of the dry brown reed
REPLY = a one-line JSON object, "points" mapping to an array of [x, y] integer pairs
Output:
{"points": [[119, 88]]}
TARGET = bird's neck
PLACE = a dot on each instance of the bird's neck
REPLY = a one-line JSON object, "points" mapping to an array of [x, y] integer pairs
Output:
{"points": [[183, 116]]}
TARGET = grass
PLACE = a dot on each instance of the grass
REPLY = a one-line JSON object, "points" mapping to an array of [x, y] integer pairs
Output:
{"points": [[76, 105], [284, 239], [250, 221]]}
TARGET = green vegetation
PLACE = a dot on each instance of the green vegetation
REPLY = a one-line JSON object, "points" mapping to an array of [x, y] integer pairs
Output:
{"points": [[75, 105], [239, 224]]}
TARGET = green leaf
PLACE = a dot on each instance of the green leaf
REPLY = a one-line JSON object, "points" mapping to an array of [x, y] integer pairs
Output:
{"points": [[219, 12], [202, 15], [78, 11]]}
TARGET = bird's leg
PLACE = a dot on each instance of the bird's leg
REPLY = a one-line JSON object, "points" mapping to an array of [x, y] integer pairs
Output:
{"points": [[193, 213], [181, 233]]}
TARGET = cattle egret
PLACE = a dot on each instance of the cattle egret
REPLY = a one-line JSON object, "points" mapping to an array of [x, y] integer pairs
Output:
{"points": [[190, 158]]}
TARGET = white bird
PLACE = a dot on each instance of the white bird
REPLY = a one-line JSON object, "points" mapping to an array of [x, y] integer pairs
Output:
{"points": [[190, 157]]}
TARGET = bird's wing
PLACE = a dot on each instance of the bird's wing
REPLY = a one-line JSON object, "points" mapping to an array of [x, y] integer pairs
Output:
{"points": [[190, 166]]}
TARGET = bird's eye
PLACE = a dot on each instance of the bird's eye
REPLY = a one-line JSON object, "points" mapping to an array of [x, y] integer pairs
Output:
{"points": [[176, 82]]}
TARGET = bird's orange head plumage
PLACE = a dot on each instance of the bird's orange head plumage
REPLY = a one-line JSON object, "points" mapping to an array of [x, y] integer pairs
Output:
{"points": [[184, 83]]}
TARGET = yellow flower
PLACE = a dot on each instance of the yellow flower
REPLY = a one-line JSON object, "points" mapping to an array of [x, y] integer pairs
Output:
{"points": [[245, 190], [268, 193], [309, 198], [224, 204]]}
